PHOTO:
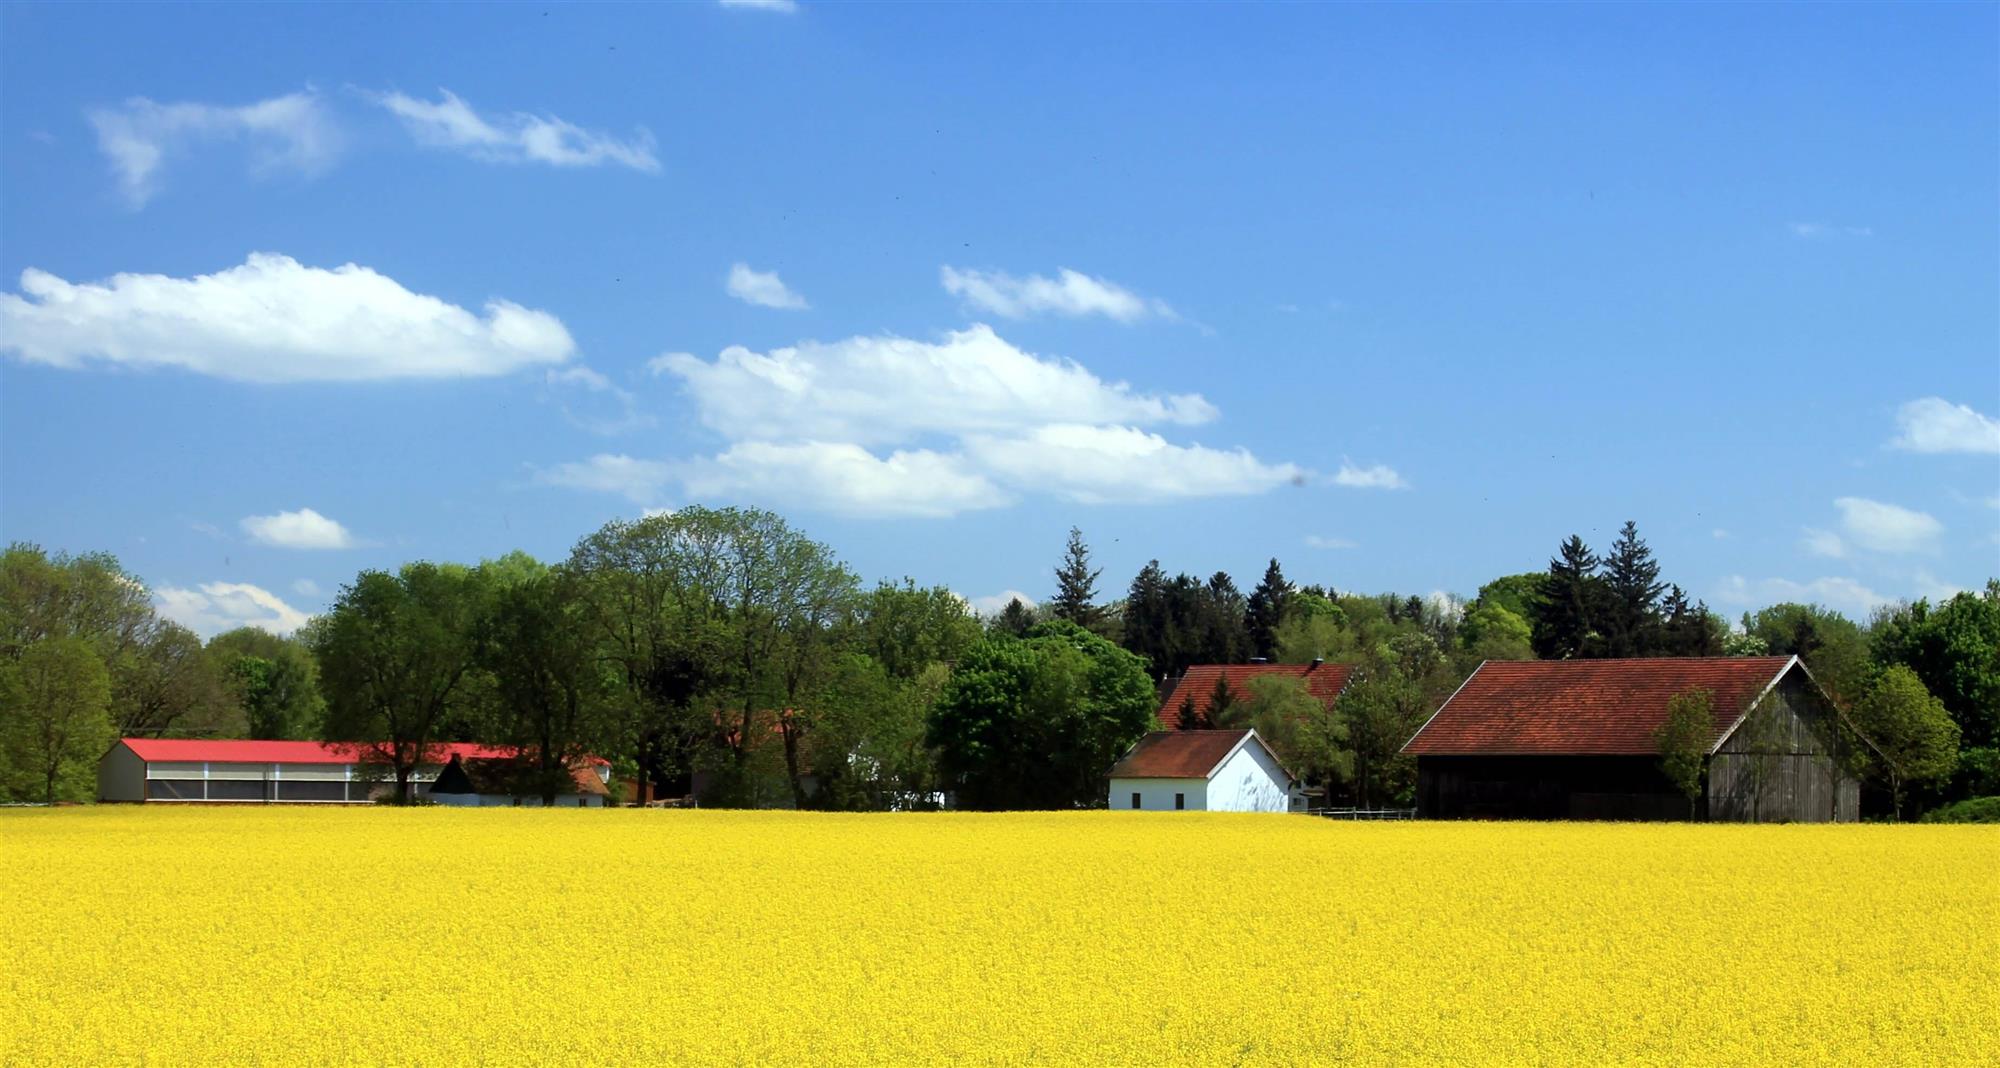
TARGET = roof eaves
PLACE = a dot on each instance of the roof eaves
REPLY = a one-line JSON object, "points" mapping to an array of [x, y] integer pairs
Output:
{"points": [[1240, 743], [1440, 708], [1744, 713]]}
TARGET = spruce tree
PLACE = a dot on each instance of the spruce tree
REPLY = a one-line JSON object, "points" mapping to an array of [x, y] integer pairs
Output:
{"points": [[1147, 620], [1632, 579], [1015, 619], [1567, 609], [1076, 586], [1265, 610], [1220, 701], [1223, 637], [1191, 719]]}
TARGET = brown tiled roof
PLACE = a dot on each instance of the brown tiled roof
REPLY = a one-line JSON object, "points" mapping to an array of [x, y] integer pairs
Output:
{"points": [[1324, 681], [1586, 707], [1177, 754]]}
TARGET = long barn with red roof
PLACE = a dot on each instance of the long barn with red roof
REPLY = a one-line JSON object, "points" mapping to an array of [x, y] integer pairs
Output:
{"points": [[1576, 739], [248, 770]]}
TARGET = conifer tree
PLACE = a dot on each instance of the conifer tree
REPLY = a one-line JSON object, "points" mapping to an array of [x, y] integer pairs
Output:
{"points": [[1191, 717], [1076, 586], [1148, 620], [1568, 606], [1632, 579], [1220, 701], [1265, 610]]}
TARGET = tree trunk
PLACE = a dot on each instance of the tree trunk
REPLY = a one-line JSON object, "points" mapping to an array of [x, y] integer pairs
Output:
{"points": [[403, 783], [792, 768]]}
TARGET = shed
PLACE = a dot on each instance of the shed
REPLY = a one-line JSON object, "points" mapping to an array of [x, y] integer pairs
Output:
{"points": [[1574, 739], [263, 771], [1216, 771], [1197, 684], [489, 781]]}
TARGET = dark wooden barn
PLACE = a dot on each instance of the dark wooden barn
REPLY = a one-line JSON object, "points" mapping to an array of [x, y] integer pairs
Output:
{"points": [[1574, 739]]}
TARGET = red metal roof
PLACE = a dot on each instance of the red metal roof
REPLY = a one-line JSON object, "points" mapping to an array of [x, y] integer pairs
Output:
{"points": [[1177, 754], [248, 751], [1324, 681], [1586, 707]]}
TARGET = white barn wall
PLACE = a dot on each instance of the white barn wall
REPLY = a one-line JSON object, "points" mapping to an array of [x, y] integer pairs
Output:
{"points": [[1157, 795], [1250, 781]]}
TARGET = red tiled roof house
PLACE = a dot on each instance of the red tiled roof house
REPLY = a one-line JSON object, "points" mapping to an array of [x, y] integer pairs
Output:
{"points": [[1216, 771], [1575, 739], [1197, 684]]}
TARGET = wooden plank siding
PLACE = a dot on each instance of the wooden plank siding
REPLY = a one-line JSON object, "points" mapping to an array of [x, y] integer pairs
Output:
{"points": [[1782, 763]]}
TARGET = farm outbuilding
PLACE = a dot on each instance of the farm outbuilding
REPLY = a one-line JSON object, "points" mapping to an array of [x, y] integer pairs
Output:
{"points": [[243, 770], [486, 781], [1575, 739], [1197, 685], [1215, 771]]}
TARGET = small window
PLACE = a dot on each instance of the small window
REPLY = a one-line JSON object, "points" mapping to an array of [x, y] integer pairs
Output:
{"points": [[1180, 802], [1135, 800]]}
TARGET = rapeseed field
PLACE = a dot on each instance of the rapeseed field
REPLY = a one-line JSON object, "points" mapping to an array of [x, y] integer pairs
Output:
{"points": [[572, 937]]}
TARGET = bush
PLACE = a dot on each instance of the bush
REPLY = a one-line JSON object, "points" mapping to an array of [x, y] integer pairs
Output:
{"points": [[1976, 810]]}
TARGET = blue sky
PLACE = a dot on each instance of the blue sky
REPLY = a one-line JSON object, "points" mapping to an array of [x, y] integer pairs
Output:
{"points": [[1398, 295]]}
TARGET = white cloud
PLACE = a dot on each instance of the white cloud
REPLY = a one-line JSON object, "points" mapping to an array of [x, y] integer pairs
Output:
{"points": [[292, 132], [595, 403], [844, 479], [762, 288], [219, 606], [1314, 541], [273, 320], [1815, 230], [518, 138], [1070, 293], [306, 587], [1823, 543], [641, 481], [1377, 476], [994, 604], [1887, 528], [888, 389], [1104, 464], [1934, 424], [785, 7], [303, 529], [1928, 586], [1845, 595]]}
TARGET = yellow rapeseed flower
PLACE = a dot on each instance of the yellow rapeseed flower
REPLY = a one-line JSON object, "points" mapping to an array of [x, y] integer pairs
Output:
{"points": [[512, 937]]}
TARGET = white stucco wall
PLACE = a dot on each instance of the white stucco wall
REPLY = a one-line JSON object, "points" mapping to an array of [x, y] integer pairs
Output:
{"points": [[1249, 781], [1157, 795]]}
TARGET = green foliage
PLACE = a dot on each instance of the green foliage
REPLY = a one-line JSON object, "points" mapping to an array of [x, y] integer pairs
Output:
{"points": [[1971, 810], [55, 720], [1955, 649], [1307, 736], [1834, 650], [1684, 739], [1630, 616], [273, 680], [906, 629], [1036, 722], [555, 696], [869, 752], [1076, 586], [1570, 605], [393, 652], [1492, 631], [1915, 740], [1016, 618], [1382, 707], [1175, 623], [1266, 610]]}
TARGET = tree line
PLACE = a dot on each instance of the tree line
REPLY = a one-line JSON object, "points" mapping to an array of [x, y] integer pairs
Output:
{"points": [[725, 649]]}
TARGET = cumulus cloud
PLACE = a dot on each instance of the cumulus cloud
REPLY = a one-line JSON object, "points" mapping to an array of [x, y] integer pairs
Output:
{"points": [[1887, 528], [1107, 464], [521, 137], [887, 389], [1823, 543], [994, 604], [303, 529], [1933, 424], [1315, 541], [892, 427], [273, 320], [1376, 476], [1844, 595], [292, 132], [592, 401], [214, 607], [641, 481], [1070, 293], [762, 288]]}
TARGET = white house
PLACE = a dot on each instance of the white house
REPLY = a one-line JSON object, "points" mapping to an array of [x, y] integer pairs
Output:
{"points": [[1216, 771], [259, 772]]}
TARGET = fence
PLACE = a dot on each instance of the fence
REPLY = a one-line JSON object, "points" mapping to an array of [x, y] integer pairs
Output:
{"points": [[1364, 813]]}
